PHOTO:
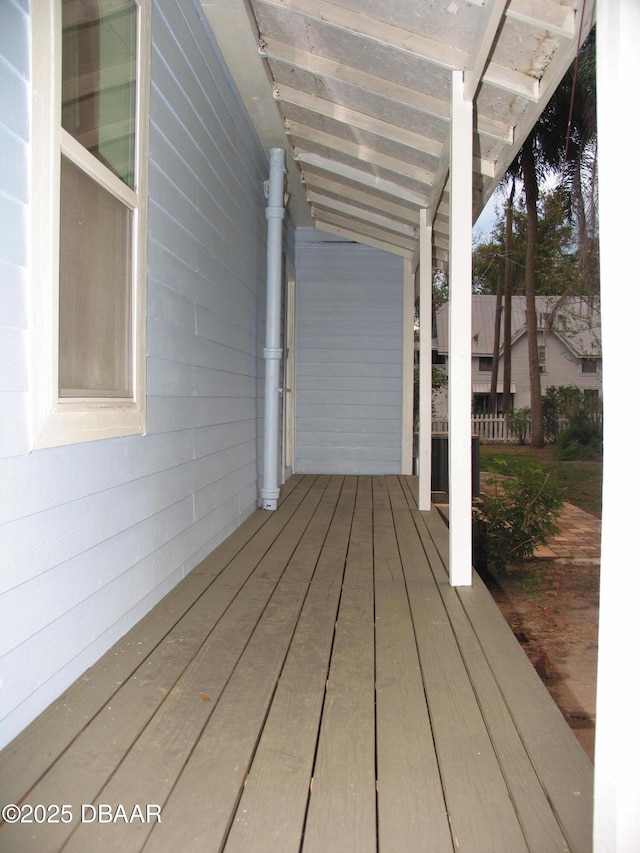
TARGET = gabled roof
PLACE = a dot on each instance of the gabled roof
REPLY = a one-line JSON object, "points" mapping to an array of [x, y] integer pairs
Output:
{"points": [[358, 93], [576, 322]]}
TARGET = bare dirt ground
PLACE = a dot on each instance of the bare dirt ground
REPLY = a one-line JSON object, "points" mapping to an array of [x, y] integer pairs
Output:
{"points": [[551, 603]]}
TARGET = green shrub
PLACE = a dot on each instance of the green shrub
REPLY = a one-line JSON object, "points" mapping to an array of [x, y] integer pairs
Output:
{"points": [[519, 422], [517, 514], [552, 411], [581, 440]]}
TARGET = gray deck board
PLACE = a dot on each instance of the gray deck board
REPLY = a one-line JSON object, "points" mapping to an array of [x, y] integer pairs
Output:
{"points": [[342, 805], [202, 804], [271, 812], [315, 684], [411, 803], [477, 796]]}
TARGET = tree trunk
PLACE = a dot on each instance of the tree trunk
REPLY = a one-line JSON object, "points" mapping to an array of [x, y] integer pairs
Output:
{"points": [[493, 392], [531, 196], [508, 290]]}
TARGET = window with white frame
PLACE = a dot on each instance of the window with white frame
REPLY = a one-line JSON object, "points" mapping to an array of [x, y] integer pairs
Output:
{"points": [[90, 117], [542, 358]]}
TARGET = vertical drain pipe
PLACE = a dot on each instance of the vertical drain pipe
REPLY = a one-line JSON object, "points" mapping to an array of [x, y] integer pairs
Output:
{"points": [[273, 350]]}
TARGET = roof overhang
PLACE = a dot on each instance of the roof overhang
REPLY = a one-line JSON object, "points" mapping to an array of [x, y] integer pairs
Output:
{"points": [[358, 93]]}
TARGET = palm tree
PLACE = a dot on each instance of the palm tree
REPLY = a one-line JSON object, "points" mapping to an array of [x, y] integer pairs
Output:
{"points": [[558, 142], [580, 173], [508, 292], [531, 192]]}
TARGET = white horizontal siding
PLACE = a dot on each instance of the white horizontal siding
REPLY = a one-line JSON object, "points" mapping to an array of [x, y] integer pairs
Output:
{"points": [[93, 535], [562, 368], [349, 359], [14, 154]]}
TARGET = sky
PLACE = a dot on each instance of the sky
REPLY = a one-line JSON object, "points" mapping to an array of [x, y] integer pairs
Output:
{"points": [[485, 222]]}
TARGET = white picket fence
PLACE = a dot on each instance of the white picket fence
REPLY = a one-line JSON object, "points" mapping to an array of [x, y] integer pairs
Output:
{"points": [[494, 428], [490, 428]]}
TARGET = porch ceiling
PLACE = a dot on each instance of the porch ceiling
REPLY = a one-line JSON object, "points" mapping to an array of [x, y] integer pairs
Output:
{"points": [[358, 93]]}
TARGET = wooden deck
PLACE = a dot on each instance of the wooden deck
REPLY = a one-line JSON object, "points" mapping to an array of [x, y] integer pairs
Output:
{"points": [[316, 685]]}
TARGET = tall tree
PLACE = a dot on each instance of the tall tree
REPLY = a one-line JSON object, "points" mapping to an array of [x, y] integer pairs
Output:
{"points": [[529, 174], [573, 106], [555, 143], [497, 320], [508, 292]]}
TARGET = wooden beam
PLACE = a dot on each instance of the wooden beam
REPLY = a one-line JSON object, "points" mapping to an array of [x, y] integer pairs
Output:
{"points": [[359, 237], [324, 185], [354, 118], [544, 15], [368, 27], [358, 176], [371, 124], [297, 130], [512, 81], [379, 86], [362, 227], [479, 56], [331, 204], [316, 64], [438, 53]]}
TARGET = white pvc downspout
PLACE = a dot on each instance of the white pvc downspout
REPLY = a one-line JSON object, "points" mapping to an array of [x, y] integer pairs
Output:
{"points": [[273, 350]]}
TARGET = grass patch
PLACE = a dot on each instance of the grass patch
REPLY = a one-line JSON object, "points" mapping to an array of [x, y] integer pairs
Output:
{"points": [[580, 481], [531, 583]]}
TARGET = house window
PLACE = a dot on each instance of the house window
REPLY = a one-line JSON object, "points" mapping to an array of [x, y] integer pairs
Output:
{"points": [[589, 365], [542, 358], [485, 363], [481, 404], [90, 148]]}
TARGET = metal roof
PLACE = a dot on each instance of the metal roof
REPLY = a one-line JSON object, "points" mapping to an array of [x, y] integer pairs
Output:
{"points": [[358, 93], [574, 320]]}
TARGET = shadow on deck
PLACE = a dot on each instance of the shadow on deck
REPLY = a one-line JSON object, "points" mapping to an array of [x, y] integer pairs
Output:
{"points": [[314, 684]]}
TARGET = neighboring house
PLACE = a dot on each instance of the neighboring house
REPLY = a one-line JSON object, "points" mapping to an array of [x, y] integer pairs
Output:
{"points": [[569, 349]]}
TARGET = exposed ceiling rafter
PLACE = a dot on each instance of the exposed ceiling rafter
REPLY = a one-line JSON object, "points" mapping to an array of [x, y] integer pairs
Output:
{"points": [[391, 36], [361, 102], [479, 57], [346, 232], [403, 95], [545, 15], [358, 176], [390, 224], [373, 231], [301, 132], [327, 187], [362, 121], [365, 26]]}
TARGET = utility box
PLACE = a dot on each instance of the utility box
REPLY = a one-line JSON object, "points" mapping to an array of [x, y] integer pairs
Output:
{"points": [[440, 463]]}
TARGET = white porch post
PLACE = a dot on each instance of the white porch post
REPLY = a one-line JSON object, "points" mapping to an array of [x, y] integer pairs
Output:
{"points": [[617, 744], [424, 426], [461, 216], [407, 368]]}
